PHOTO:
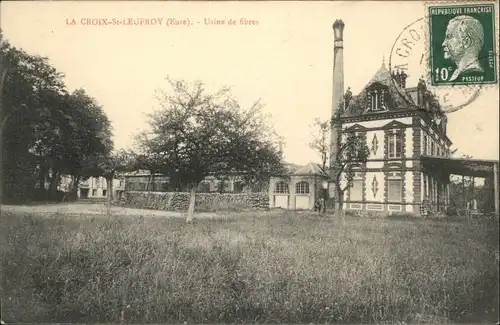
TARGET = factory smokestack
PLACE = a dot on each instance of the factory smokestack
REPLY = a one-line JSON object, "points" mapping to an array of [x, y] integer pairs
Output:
{"points": [[338, 83]]}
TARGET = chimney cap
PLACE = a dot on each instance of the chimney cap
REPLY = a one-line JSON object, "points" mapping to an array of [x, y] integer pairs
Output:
{"points": [[338, 23]]}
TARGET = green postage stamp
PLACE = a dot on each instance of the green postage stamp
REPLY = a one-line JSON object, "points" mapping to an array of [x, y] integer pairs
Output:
{"points": [[462, 44]]}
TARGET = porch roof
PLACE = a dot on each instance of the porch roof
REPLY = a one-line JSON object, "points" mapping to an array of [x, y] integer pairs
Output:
{"points": [[460, 166]]}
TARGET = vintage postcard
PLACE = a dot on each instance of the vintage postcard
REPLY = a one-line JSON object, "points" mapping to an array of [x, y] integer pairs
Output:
{"points": [[329, 162]]}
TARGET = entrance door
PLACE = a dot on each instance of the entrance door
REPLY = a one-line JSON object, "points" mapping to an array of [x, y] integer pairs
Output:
{"points": [[302, 202], [281, 201], [84, 193]]}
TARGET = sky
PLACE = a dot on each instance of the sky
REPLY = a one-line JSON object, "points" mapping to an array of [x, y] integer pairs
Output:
{"points": [[285, 59]]}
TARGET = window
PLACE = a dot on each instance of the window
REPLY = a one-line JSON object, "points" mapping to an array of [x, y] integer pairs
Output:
{"points": [[354, 136], [302, 188], [432, 148], [257, 187], [395, 147], [104, 192], [94, 192], [359, 141], [376, 100], [356, 189], [394, 187], [238, 187], [204, 187], [425, 144], [281, 187]]}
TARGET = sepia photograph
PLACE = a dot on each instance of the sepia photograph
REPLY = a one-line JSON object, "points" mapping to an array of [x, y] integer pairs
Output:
{"points": [[249, 162]]}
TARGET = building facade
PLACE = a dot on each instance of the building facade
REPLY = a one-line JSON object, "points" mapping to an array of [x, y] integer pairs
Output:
{"points": [[299, 189], [143, 180], [400, 125], [93, 187]]}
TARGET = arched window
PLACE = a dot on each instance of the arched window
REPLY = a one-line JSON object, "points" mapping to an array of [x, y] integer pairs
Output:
{"points": [[281, 187], [302, 188]]}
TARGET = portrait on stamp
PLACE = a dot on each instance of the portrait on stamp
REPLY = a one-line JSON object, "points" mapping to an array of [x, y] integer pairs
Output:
{"points": [[462, 44]]}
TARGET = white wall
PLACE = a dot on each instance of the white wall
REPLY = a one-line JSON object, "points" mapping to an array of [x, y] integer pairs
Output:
{"points": [[379, 134], [409, 142], [374, 164], [379, 195], [409, 186], [370, 135]]}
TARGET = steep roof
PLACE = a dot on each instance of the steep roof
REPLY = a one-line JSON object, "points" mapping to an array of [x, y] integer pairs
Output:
{"points": [[290, 168], [399, 99], [310, 169]]}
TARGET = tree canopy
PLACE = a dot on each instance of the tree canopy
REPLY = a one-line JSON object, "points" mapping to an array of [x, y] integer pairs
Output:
{"points": [[46, 131], [195, 134]]}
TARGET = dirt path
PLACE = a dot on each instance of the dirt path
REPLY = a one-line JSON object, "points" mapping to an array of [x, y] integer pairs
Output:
{"points": [[97, 209]]}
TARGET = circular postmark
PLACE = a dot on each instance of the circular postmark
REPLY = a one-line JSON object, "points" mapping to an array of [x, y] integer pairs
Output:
{"points": [[410, 56]]}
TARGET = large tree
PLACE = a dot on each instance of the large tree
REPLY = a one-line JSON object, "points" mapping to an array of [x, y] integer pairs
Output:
{"points": [[92, 135], [29, 116], [3, 74], [352, 153], [195, 134], [45, 130]]}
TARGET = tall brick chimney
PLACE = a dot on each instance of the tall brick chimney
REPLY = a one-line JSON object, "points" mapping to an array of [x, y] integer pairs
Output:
{"points": [[338, 83]]}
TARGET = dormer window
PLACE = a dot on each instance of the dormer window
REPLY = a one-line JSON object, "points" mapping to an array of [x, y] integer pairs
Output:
{"points": [[376, 99], [376, 102]]}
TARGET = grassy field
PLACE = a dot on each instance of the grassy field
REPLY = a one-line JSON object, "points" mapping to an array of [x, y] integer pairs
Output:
{"points": [[262, 267]]}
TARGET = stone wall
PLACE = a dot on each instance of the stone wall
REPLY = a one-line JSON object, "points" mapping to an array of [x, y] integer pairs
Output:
{"points": [[179, 201]]}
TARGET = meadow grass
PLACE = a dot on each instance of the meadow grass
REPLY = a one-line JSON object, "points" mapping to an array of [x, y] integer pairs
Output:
{"points": [[260, 267]]}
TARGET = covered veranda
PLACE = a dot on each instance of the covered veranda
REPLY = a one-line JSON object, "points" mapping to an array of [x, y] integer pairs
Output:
{"points": [[446, 166]]}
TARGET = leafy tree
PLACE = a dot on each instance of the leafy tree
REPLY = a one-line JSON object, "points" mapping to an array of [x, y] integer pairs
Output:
{"points": [[3, 74], [352, 151], [29, 115], [320, 140], [45, 130], [195, 134]]}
